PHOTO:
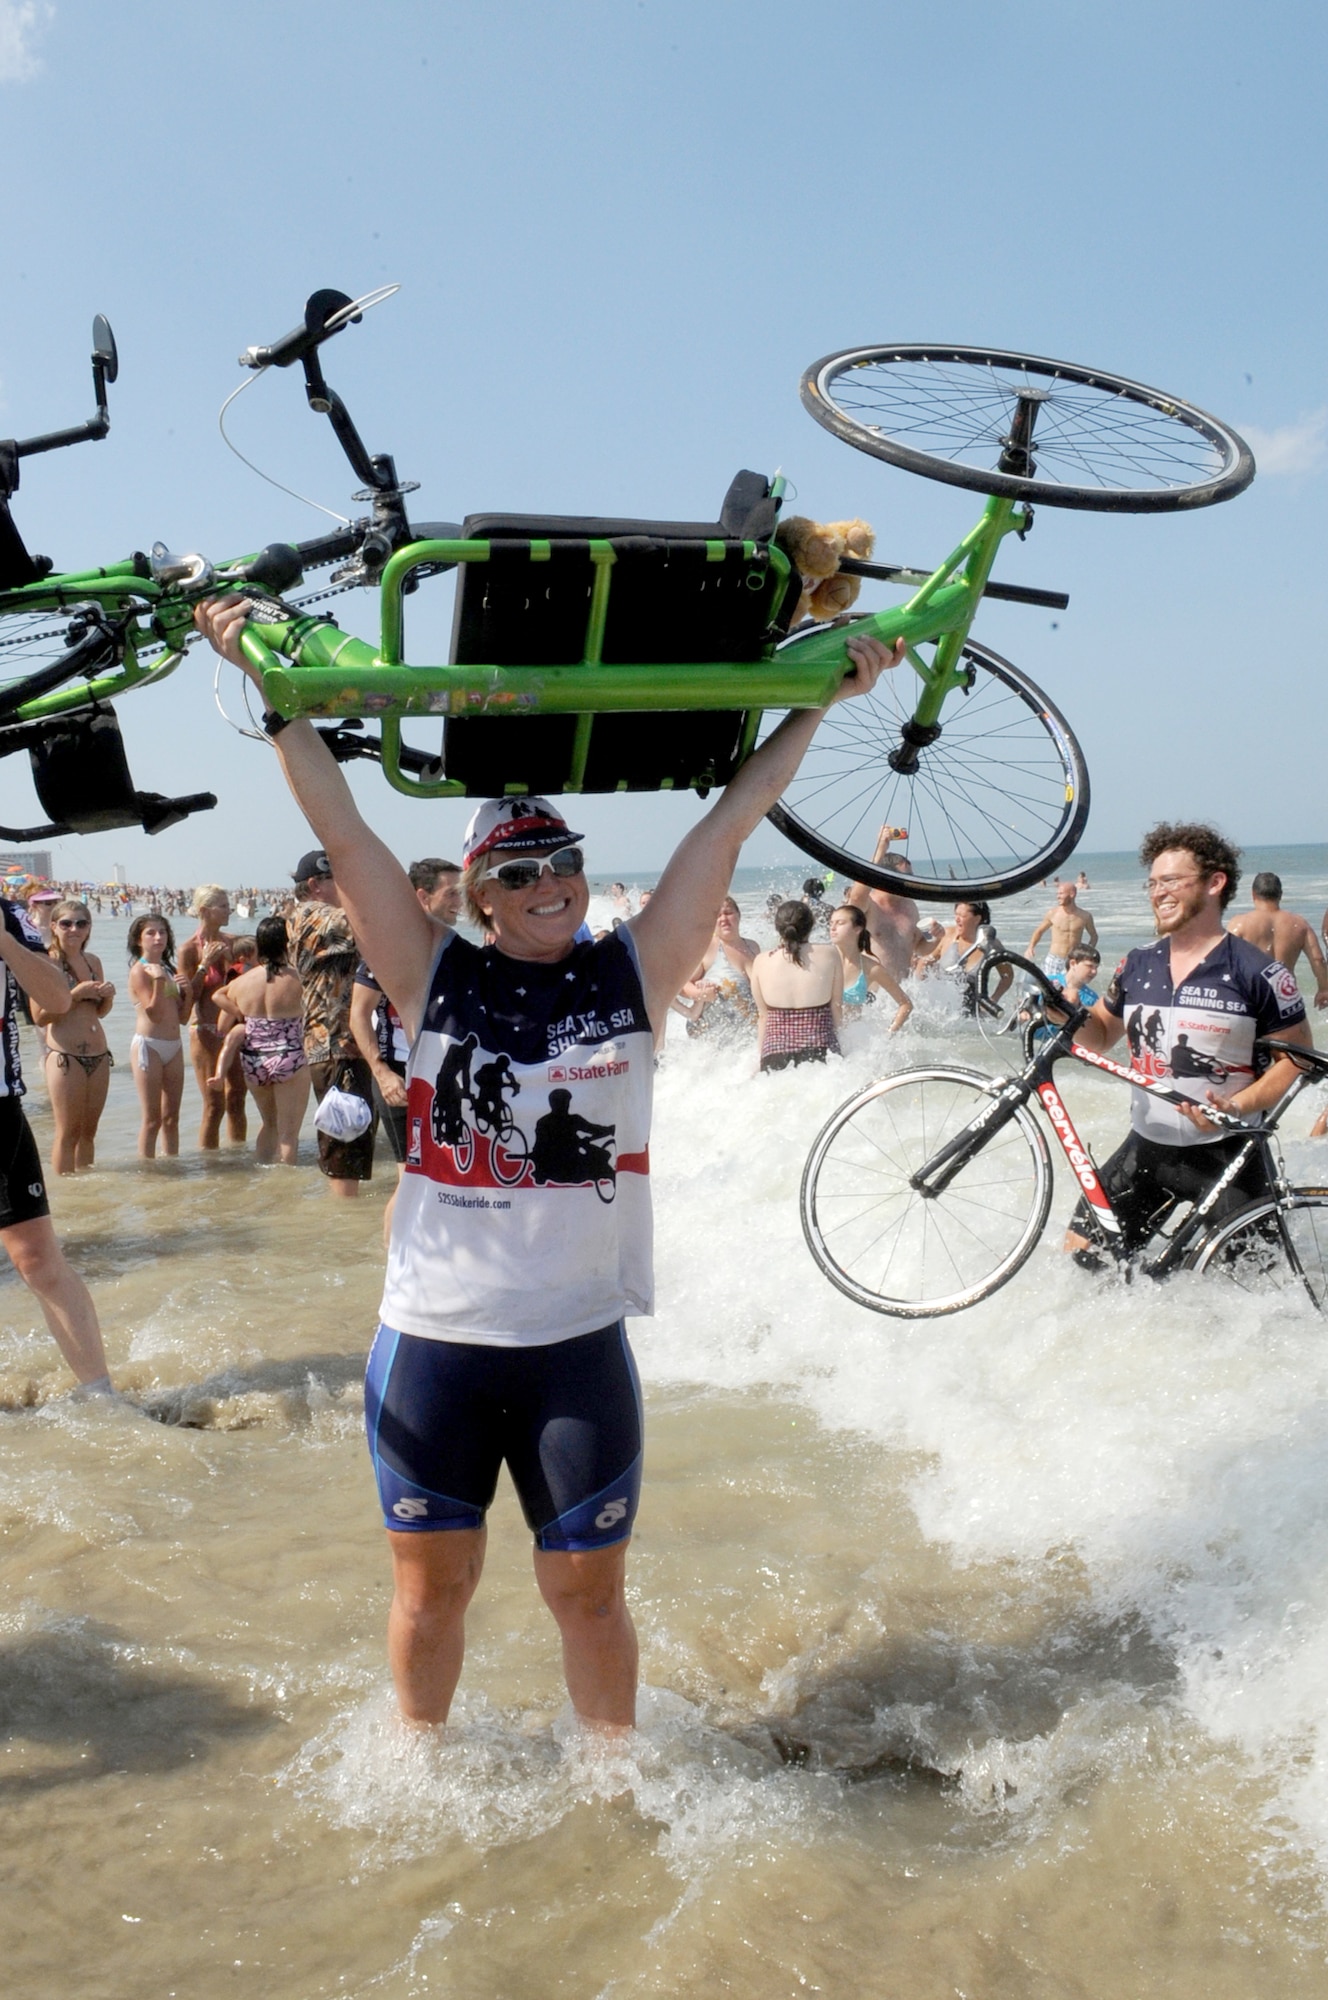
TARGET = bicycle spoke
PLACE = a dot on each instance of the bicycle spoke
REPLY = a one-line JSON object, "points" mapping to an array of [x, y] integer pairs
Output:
{"points": [[881, 1237]]}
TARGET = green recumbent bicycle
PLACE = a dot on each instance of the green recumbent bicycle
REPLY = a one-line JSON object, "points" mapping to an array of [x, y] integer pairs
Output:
{"points": [[606, 655]]}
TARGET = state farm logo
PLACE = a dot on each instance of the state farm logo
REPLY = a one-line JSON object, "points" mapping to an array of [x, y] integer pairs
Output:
{"points": [[586, 1073]]}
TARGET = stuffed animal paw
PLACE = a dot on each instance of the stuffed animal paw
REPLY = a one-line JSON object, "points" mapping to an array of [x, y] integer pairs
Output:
{"points": [[816, 548]]}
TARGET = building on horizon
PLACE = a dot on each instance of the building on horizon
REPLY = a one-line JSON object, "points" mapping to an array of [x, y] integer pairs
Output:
{"points": [[36, 860]]}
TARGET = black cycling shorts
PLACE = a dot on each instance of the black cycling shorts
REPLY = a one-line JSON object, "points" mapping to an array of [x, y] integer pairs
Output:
{"points": [[1144, 1180], [442, 1415], [22, 1183]]}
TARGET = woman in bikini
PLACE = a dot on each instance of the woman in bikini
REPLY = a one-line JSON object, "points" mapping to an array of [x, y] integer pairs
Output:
{"points": [[798, 988], [267, 1004], [162, 1001], [717, 999], [864, 975], [78, 1062], [205, 961]]}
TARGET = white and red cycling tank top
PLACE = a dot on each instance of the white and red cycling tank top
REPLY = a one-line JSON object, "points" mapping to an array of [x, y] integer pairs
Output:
{"points": [[523, 1215]]}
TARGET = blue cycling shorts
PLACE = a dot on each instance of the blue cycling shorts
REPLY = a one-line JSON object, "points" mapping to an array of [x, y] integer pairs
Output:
{"points": [[443, 1415]]}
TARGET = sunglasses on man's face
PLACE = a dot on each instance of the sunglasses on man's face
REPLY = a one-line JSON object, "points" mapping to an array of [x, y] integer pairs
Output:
{"points": [[565, 863]]}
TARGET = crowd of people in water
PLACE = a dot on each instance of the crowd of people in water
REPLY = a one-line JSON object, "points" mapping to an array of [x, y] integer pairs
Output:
{"points": [[270, 1016]]}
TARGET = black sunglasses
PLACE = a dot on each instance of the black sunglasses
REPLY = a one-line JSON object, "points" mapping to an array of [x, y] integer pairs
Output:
{"points": [[565, 863]]}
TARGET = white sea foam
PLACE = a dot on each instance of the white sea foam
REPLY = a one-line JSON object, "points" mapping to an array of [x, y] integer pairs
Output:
{"points": [[1174, 1439], [492, 1778]]}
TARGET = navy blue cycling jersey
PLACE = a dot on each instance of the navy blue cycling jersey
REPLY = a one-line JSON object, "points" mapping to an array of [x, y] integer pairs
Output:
{"points": [[1199, 1036]]}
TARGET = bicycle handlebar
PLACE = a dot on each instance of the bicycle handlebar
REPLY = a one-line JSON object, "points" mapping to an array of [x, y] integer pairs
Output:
{"points": [[324, 315], [1055, 995]]}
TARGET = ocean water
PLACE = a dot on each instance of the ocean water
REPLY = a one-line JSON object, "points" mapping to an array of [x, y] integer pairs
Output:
{"points": [[981, 1657]]}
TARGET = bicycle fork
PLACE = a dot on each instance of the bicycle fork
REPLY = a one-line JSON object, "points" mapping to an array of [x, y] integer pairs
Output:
{"points": [[936, 1174]]}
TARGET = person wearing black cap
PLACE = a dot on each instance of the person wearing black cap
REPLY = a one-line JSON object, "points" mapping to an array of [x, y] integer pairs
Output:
{"points": [[521, 1237], [324, 953]]}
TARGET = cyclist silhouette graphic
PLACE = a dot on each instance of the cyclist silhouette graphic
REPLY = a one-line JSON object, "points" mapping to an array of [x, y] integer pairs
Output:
{"points": [[492, 1079], [565, 1148], [451, 1091]]}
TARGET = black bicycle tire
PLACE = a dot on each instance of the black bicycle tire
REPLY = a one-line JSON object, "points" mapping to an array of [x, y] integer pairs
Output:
{"points": [[937, 889], [971, 1294], [1232, 478], [1202, 1257]]}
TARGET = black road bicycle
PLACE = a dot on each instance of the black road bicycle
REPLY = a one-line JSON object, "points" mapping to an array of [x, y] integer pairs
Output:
{"points": [[928, 1190]]}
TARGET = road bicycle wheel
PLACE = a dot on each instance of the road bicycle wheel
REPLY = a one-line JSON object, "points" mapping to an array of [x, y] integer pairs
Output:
{"points": [[1267, 1248], [888, 1246], [1099, 441], [995, 805]]}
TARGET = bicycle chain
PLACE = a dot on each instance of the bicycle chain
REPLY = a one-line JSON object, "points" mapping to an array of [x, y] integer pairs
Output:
{"points": [[53, 632]]}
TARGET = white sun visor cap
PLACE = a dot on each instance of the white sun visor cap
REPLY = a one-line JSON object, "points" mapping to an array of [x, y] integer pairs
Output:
{"points": [[516, 826]]}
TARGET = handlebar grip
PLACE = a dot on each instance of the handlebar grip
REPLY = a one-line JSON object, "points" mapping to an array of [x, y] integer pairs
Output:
{"points": [[328, 548], [301, 340]]}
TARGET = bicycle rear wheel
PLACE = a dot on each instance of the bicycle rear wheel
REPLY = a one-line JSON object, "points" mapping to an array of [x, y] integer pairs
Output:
{"points": [[889, 1247], [995, 804], [1099, 441], [1273, 1249]]}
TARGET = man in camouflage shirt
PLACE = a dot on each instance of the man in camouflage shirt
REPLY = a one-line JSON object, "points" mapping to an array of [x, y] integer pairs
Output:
{"points": [[324, 953]]}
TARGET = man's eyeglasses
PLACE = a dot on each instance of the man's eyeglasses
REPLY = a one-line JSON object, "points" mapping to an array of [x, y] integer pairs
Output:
{"points": [[565, 863], [1160, 885]]}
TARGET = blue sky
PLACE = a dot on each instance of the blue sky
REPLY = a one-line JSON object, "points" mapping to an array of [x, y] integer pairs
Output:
{"points": [[622, 231]]}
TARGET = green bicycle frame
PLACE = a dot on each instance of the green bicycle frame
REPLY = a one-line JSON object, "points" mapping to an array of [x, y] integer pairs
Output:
{"points": [[310, 667]]}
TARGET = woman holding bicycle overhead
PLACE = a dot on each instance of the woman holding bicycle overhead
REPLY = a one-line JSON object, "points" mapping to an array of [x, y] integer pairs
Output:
{"points": [[1192, 1006], [502, 1330]]}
